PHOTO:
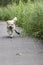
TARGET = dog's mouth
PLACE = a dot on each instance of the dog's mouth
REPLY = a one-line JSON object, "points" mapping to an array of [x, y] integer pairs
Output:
{"points": [[10, 27]]}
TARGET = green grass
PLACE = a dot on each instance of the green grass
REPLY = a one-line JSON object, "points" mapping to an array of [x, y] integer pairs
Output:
{"points": [[30, 17]]}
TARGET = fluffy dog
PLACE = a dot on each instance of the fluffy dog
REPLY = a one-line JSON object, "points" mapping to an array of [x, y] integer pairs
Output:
{"points": [[11, 27]]}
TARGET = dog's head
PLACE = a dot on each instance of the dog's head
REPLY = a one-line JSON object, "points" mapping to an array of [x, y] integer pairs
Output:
{"points": [[11, 22]]}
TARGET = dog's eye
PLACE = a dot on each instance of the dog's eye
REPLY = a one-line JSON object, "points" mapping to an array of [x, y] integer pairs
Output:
{"points": [[11, 24]]}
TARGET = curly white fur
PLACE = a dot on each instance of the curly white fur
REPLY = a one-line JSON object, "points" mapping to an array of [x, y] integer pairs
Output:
{"points": [[11, 23]]}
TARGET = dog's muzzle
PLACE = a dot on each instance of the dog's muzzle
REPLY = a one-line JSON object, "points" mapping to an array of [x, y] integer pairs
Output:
{"points": [[10, 27]]}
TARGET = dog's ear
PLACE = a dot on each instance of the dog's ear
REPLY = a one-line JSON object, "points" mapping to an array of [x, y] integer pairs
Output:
{"points": [[15, 19]]}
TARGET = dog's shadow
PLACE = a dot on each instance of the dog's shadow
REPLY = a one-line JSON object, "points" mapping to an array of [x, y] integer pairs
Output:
{"points": [[8, 37]]}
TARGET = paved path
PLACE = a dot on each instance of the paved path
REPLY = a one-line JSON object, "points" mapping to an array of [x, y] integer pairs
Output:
{"points": [[19, 50]]}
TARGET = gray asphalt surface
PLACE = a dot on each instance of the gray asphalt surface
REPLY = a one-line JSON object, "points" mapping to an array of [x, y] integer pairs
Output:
{"points": [[19, 50]]}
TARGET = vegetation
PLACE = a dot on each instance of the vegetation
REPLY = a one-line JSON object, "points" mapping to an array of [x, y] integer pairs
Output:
{"points": [[29, 14]]}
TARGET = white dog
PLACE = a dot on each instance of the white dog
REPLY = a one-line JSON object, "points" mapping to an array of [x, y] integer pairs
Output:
{"points": [[11, 27]]}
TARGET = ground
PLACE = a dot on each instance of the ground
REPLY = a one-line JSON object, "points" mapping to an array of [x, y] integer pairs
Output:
{"points": [[19, 50]]}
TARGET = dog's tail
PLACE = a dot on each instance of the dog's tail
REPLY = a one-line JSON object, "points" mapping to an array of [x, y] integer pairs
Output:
{"points": [[17, 32]]}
